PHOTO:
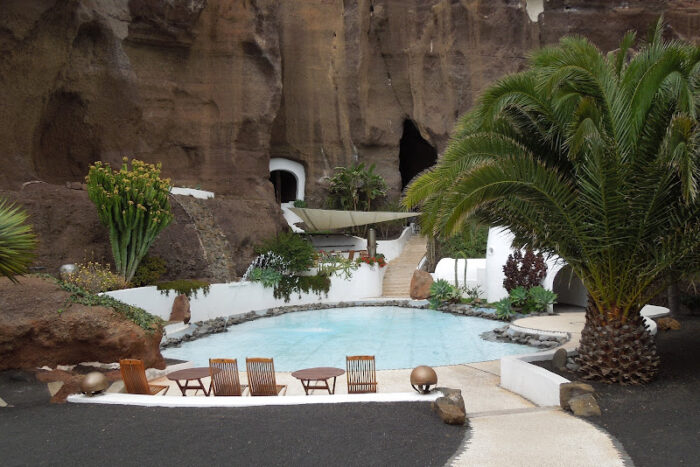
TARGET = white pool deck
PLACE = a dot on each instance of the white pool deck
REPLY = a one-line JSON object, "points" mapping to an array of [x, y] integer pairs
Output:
{"points": [[505, 428]]}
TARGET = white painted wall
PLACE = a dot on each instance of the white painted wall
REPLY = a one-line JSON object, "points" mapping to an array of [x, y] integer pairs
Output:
{"points": [[532, 382], [296, 169], [236, 298], [476, 272], [391, 249], [200, 194]]}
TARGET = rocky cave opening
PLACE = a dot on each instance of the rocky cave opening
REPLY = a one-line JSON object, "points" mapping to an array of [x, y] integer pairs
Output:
{"points": [[415, 153], [285, 184]]}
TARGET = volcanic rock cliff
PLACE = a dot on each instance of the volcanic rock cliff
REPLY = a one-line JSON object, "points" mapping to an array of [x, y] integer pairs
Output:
{"points": [[214, 89]]}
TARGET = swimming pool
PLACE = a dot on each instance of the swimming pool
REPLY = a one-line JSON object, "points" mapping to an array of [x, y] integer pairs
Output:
{"points": [[398, 337]]}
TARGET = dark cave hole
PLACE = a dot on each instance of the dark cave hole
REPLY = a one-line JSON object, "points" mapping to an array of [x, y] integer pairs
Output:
{"points": [[285, 184], [415, 153]]}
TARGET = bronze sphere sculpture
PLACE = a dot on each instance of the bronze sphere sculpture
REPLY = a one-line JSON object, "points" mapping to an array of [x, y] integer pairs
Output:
{"points": [[422, 377], [94, 383]]}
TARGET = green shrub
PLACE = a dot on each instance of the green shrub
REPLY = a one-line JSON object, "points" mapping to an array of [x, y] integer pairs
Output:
{"points": [[541, 298], [468, 243], [504, 309], [297, 252], [150, 270], [519, 297], [189, 287], [137, 315], [95, 278], [17, 242], [329, 265], [354, 188], [299, 203], [442, 292], [133, 205], [301, 284], [269, 277]]}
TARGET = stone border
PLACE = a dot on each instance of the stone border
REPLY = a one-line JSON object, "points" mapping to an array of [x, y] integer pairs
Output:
{"points": [[535, 384], [513, 334], [221, 324]]}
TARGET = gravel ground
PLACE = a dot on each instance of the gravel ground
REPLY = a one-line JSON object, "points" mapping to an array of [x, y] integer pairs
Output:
{"points": [[332, 434], [658, 424]]}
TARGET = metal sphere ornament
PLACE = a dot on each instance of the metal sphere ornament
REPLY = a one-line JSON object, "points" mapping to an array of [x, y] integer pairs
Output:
{"points": [[422, 377], [94, 383]]}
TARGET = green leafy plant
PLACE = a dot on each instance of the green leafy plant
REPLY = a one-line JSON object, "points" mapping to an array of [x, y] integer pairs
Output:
{"points": [[17, 242], [95, 278], [541, 298], [267, 276], [188, 287], [594, 158], [133, 204], [442, 292], [504, 309], [296, 252], [150, 270], [287, 285], [335, 265], [519, 296], [137, 315], [354, 188], [299, 203]]}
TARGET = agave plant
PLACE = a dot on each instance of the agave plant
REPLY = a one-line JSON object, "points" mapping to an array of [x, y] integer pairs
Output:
{"points": [[17, 242], [594, 158]]}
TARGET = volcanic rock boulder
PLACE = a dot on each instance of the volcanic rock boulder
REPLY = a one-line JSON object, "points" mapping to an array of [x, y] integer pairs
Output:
{"points": [[420, 285], [40, 326], [181, 309], [450, 407]]}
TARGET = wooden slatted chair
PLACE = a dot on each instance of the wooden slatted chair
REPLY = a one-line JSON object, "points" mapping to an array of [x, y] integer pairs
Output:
{"points": [[261, 377], [361, 374], [134, 376], [226, 381]]}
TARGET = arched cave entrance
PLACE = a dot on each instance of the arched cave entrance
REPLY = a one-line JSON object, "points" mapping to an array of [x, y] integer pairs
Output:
{"points": [[285, 184], [569, 288], [415, 153], [289, 179]]}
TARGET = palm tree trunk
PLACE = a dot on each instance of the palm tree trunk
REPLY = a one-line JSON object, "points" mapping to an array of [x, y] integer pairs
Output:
{"points": [[615, 350]]}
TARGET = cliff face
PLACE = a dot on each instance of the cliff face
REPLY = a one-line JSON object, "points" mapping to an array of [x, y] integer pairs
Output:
{"points": [[215, 88]]}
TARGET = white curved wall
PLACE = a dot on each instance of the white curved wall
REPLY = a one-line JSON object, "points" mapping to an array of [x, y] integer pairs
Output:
{"points": [[498, 247], [296, 169], [476, 272], [236, 298]]}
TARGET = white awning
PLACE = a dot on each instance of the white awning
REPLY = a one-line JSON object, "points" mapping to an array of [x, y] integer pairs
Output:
{"points": [[329, 219]]}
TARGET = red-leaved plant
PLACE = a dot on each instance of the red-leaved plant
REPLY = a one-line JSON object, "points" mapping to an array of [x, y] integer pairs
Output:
{"points": [[524, 271]]}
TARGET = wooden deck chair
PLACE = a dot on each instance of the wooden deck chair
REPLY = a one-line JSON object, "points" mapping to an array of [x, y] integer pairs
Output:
{"points": [[134, 376], [361, 374], [226, 381], [261, 377]]}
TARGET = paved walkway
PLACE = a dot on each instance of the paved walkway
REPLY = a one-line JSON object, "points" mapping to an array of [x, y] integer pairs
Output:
{"points": [[399, 271]]}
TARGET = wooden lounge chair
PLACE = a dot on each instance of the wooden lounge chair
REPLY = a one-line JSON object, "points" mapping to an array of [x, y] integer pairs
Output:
{"points": [[361, 374], [225, 382], [261, 377], [134, 376]]}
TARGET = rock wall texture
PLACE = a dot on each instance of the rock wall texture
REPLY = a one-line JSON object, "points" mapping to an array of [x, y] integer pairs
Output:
{"points": [[214, 88], [33, 333]]}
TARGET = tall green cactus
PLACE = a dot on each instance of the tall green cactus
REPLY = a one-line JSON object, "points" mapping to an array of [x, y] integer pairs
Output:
{"points": [[133, 205]]}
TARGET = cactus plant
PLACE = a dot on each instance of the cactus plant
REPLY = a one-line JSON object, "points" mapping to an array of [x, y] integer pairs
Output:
{"points": [[133, 204]]}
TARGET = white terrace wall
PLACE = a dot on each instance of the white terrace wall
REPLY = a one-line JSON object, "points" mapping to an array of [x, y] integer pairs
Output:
{"points": [[236, 298]]}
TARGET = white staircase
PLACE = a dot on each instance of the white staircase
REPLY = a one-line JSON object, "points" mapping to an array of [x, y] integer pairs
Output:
{"points": [[397, 279]]}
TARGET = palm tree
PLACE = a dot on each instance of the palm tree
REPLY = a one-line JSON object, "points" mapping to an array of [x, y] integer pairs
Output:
{"points": [[593, 158], [17, 242]]}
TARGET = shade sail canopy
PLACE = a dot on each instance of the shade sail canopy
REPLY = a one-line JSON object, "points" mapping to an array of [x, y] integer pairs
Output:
{"points": [[329, 219]]}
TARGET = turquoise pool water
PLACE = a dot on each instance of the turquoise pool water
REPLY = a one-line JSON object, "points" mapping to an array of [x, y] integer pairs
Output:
{"points": [[398, 337]]}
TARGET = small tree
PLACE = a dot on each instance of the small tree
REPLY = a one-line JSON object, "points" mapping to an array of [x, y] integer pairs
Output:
{"points": [[17, 242], [354, 188], [133, 204]]}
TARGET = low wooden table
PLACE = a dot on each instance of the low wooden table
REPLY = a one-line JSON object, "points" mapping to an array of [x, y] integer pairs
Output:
{"points": [[320, 374], [190, 374]]}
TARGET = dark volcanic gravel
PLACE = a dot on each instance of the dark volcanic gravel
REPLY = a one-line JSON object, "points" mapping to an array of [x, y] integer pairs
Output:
{"points": [[330, 434], [659, 424]]}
